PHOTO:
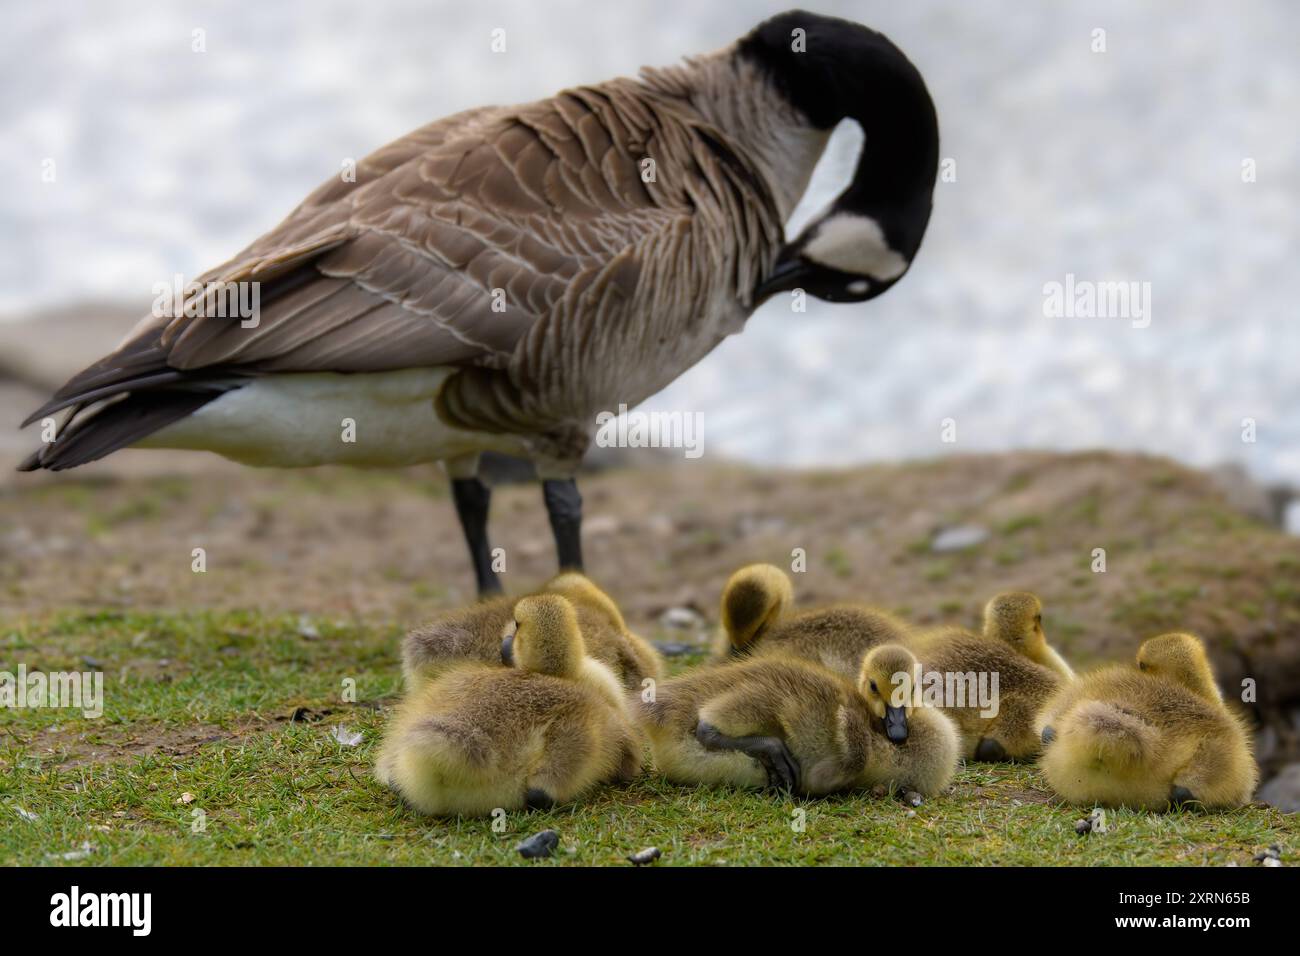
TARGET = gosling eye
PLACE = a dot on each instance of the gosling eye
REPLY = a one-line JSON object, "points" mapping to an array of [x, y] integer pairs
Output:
{"points": [[1038, 619], [1142, 666], [874, 689]]}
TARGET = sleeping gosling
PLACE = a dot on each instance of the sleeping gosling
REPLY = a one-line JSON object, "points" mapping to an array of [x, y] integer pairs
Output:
{"points": [[794, 725], [473, 633], [543, 731], [1003, 726], [1017, 618], [633, 658], [1151, 737], [755, 621]]}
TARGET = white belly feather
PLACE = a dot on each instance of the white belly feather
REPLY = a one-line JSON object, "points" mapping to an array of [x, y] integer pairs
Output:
{"points": [[301, 419]]}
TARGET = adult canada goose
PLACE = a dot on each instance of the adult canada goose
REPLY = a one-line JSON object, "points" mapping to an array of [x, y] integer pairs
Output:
{"points": [[1149, 737], [496, 279]]}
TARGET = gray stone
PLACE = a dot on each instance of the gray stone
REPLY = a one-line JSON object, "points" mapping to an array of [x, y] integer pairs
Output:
{"points": [[959, 538], [539, 845], [1283, 791], [681, 618]]}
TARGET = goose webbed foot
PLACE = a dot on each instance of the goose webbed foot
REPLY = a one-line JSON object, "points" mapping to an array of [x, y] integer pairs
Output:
{"points": [[771, 753]]}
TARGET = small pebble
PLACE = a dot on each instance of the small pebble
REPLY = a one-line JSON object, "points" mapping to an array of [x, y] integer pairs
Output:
{"points": [[958, 538], [680, 618], [644, 857], [1095, 823], [539, 845], [1272, 861], [675, 648], [912, 798]]}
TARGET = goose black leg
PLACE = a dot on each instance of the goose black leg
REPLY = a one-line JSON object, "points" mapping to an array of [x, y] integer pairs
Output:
{"points": [[564, 507], [472, 498]]}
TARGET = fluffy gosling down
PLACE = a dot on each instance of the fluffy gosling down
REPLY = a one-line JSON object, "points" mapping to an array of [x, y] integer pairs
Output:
{"points": [[543, 731], [1149, 737], [795, 725], [1029, 671], [755, 621], [474, 633], [1016, 617], [996, 722]]}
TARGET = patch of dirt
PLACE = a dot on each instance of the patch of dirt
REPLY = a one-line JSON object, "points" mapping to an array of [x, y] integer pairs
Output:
{"points": [[119, 744]]}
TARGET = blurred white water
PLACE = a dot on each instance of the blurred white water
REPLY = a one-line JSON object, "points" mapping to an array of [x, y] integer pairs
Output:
{"points": [[1123, 165]]}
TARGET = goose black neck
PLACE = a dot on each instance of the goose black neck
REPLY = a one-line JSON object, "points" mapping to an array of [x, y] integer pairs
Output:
{"points": [[836, 70]]}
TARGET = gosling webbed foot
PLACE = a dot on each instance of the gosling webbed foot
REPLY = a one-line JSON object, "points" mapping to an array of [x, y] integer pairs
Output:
{"points": [[771, 753], [990, 751], [782, 769], [538, 799]]}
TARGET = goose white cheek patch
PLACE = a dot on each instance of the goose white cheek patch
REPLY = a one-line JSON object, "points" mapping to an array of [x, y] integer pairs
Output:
{"points": [[854, 244]]}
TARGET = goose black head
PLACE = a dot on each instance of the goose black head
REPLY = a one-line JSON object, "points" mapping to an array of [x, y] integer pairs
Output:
{"points": [[829, 70]]}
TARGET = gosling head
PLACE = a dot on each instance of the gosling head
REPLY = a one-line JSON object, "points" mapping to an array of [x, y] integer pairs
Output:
{"points": [[890, 680], [1180, 658], [753, 599], [1016, 617], [579, 588], [866, 239], [543, 637]]}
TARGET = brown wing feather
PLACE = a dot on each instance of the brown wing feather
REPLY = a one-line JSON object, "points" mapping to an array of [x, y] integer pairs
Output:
{"points": [[493, 207]]}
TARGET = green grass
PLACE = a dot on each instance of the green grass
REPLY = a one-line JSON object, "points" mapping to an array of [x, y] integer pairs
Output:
{"points": [[201, 704]]}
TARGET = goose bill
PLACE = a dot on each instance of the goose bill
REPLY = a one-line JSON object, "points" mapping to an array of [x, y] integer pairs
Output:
{"points": [[789, 273], [895, 724]]}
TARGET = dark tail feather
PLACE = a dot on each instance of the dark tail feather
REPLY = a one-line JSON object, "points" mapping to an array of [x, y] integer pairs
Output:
{"points": [[116, 425]]}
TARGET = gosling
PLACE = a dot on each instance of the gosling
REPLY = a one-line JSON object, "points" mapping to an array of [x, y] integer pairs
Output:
{"points": [[1152, 737], [754, 622], [542, 732], [1004, 725], [474, 633], [794, 725], [1016, 617]]}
